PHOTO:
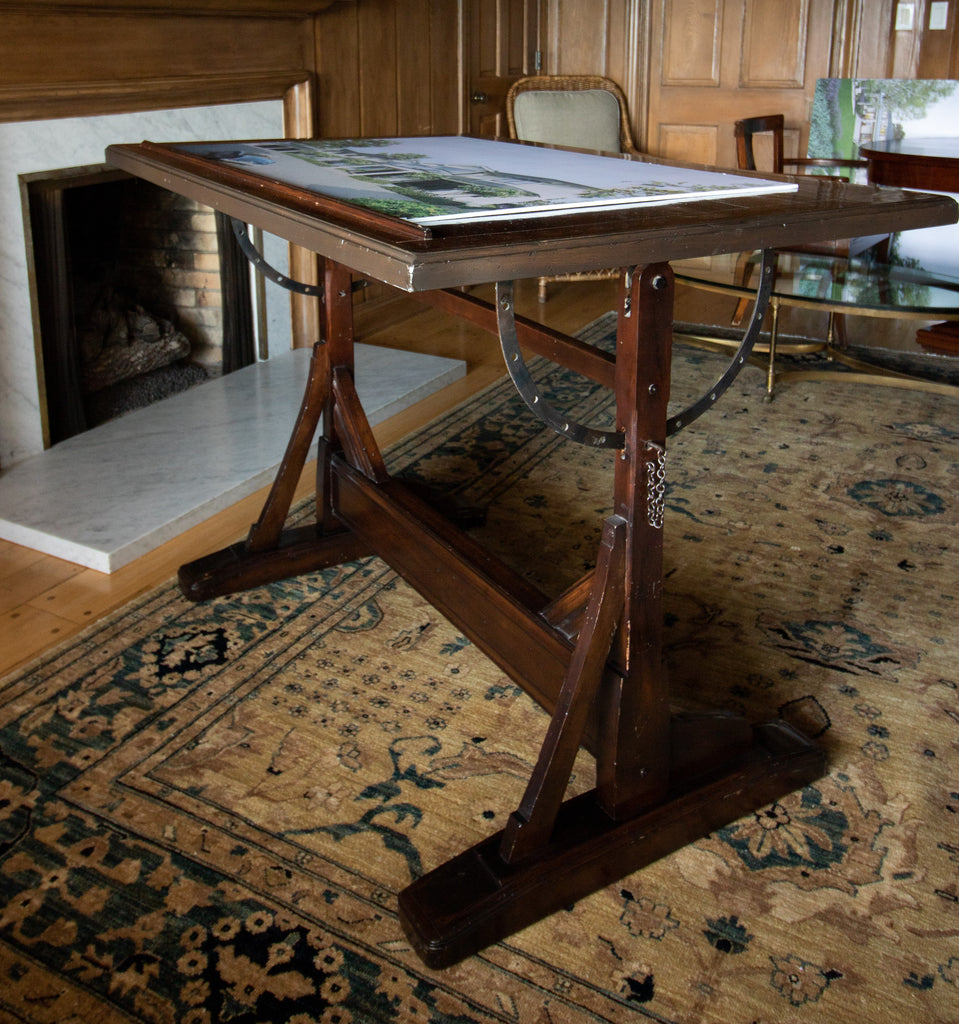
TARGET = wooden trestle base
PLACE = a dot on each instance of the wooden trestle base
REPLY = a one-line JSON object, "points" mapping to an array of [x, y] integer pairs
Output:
{"points": [[477, 899], [592, 657]]}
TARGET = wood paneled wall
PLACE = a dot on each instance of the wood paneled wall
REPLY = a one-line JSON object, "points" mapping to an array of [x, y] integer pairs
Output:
{"points": [[74, 59], [690, 68], [381, 66], [502, 44], [391, 67], [924, 52], [602, 37], [722, 59]]}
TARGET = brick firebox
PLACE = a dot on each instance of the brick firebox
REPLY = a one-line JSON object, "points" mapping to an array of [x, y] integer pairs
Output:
{"points": [[129, 281]]}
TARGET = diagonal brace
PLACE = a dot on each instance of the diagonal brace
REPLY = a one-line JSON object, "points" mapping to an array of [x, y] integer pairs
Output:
{"points": [[530, 826]]}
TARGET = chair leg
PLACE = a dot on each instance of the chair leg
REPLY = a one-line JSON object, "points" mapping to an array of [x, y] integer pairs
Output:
{"points": [[773, 338], [744, 272], [839, 330]]}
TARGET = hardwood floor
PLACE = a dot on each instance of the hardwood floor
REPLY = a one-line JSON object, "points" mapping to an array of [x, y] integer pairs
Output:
{"points": [[45, 600]]}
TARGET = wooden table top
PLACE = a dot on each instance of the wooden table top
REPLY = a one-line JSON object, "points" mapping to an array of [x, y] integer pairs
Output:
{"points": [[931, 162], [939, 147], [410, 259]]}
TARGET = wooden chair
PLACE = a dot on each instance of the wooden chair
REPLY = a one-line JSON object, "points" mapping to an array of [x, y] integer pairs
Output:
{"points": [[579, 111], [774, 125]]}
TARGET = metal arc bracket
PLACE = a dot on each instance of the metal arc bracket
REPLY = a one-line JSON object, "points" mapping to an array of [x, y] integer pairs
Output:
{"points": [[594, 437], [270, 272], [527, 388]]}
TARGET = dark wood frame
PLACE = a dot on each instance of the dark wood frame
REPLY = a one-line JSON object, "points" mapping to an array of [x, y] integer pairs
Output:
{"points": [[592, 657]]}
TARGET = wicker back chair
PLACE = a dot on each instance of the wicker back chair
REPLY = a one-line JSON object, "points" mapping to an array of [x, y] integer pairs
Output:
{"points": [[553, 109], [579, 111]]}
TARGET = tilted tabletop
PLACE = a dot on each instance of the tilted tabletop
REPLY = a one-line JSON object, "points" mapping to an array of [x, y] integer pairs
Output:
{"points": [[413, 257]]}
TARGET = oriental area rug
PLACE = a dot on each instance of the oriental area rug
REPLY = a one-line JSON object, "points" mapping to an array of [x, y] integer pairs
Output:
{"points": [[207, 810]]}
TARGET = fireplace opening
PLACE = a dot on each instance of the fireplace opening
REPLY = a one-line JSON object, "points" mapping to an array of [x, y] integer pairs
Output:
{"points": [[138, 294]]}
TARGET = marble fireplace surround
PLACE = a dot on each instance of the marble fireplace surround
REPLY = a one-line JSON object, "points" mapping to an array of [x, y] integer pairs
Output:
{"points": [[34, 147], [114, 493]]}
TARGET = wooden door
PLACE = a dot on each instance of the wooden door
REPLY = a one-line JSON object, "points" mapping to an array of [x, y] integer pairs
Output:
{"points": [[717, 60], [503, 45]]}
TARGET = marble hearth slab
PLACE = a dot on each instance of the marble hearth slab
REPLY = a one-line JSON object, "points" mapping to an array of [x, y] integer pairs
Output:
{"points": [[109, 495]]}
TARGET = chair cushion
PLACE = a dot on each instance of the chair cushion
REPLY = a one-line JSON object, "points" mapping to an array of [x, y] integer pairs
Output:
{"points": [[587, 118]]}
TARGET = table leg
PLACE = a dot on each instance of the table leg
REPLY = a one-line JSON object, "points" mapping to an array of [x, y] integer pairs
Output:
{"points": [[271, 551], [663, 780]]}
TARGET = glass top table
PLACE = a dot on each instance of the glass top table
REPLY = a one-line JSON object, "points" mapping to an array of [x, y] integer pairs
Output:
{"points": [[861, 286], [864, 286]]}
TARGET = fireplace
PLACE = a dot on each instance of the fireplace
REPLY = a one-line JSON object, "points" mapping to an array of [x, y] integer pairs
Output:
{"points": [[139, 294], [31, 148], [80, 75]]}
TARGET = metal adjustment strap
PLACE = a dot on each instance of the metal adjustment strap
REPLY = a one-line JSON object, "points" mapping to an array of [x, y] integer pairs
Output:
{"points": [[270, 272], [526, 386], [531, 395]]}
